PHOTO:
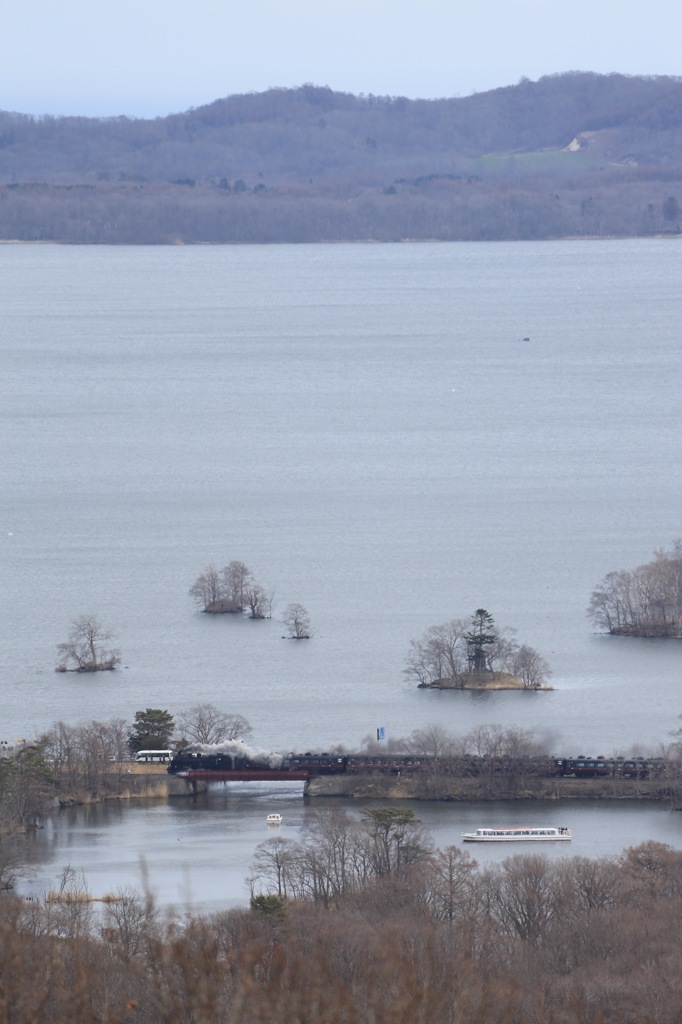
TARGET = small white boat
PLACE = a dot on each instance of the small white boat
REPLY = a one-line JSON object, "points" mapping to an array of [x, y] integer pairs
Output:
{"points": [[518, 835], [274, 819]]}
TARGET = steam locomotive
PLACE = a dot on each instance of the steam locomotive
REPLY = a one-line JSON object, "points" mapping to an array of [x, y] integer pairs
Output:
{"points": [[194, 759]]}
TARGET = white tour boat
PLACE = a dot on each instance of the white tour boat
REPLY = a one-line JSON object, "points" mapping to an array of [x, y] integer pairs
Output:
{"points": [[274, 819], [518, 835]]}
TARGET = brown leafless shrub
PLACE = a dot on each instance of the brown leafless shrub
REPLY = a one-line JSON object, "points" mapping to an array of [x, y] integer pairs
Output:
{"points": [[530, 940]]}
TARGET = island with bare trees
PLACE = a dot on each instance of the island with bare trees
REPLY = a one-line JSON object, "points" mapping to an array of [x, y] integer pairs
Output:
{"points": [[231, 590], [473, 654], [85, 649], [642, 602]]}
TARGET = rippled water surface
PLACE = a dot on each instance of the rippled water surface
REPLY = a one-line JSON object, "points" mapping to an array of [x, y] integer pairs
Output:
{"points": [[391, 435]]}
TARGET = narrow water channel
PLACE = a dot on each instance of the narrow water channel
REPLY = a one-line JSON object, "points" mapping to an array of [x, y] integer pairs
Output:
{"points": [[194, 855]]}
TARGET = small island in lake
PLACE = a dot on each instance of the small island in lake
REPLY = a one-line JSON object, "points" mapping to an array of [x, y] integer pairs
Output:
{"points": [[642, 602], [472, 654], [482, 681], [84, 651]]}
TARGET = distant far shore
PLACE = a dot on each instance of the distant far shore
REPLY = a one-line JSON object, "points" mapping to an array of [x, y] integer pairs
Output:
{"points": [[340, 241]]}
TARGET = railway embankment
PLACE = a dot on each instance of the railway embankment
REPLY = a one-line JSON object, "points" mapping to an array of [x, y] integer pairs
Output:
{"points": [[136, 782], [157, 785], [416, 787], [153, 782]]}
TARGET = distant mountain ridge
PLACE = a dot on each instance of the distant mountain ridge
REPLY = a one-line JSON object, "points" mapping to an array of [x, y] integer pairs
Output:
{"points": [[576, 153]]}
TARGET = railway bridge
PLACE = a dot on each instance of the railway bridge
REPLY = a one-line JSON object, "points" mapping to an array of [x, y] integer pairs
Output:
{"points": [[198, 775]]}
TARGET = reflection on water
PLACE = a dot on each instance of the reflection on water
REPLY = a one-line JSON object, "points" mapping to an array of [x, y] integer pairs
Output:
{"points": [[195, 854]]}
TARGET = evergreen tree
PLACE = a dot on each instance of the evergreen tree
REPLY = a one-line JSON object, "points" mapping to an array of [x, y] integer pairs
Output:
{"points": [[152, 730], [481, 636]]}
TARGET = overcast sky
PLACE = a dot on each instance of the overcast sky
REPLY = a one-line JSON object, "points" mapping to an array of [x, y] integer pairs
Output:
{"points": [[148, 58]]}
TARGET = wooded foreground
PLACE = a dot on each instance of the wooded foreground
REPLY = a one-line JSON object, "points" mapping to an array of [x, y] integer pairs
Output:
{"points": [[573, 941]]}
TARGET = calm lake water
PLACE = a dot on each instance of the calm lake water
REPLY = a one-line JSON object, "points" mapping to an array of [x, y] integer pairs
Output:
{"points": [[392, 435], [195, 855], [367, 429]]}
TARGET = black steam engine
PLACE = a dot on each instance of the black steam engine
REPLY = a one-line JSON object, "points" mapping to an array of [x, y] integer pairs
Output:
{"points": [[192, 759]]}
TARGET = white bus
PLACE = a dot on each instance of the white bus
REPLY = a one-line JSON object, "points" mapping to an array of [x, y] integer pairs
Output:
{"points": [[153, 756]]}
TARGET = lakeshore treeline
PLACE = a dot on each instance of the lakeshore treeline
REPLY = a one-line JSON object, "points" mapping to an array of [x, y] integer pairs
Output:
{"points": [[575, 154], [433, 937], [70, 765]]}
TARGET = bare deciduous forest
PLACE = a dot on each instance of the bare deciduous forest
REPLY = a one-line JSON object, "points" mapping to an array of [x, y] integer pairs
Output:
{"points": [[437, 940], [576, 154]]}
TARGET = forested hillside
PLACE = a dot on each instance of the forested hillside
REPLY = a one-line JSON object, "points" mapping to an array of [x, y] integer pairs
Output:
{"points": [[573, 154]]}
